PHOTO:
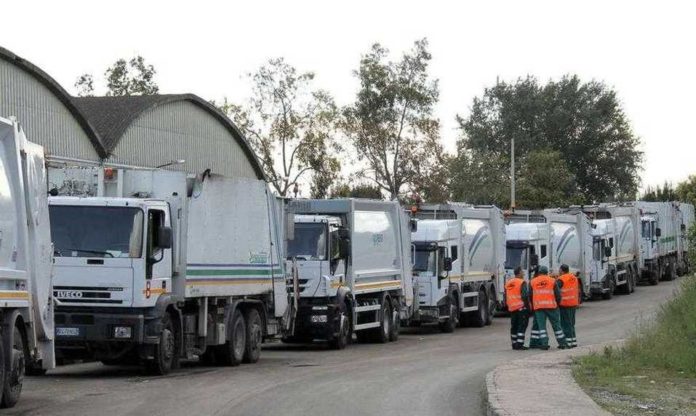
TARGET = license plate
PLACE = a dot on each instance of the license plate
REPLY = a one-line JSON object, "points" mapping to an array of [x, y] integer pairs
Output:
{"points": [[67, 332]]}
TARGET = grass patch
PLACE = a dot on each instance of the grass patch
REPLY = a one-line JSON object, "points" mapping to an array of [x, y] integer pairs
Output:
{"points": [[655, 372]]}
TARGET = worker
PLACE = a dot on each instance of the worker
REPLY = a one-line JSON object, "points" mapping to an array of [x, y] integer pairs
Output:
{"points": [[545, 295], [570, 299], [516, 298]]}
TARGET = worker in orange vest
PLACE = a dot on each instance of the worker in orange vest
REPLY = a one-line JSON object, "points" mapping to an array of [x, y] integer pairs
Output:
{"points": [[516, 298], [570, 299], [545, 295]]}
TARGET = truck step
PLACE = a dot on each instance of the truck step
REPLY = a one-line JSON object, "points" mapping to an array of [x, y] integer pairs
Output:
{"points": [[368, 308], [469, 294], [469, 308], [367, 326]]}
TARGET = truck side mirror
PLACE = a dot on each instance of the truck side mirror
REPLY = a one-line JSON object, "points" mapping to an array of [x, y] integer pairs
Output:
{"points": [[683, 227], [413, 223], [164, 237], [607, 251], [658, 232], [534, 260], [447, 266]]}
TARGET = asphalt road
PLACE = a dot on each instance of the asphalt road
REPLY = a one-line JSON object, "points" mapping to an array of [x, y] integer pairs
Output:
{"points": [[424, 373]]}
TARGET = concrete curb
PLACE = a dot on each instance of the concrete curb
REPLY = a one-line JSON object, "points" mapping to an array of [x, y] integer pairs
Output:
{"points": [[541, 385]]}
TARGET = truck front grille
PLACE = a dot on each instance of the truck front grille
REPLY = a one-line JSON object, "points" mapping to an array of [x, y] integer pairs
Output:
{"points": [[79, 294]]}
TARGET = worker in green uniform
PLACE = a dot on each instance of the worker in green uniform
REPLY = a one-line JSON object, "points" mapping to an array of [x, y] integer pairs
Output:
{"points": [[545, 296], [516, 298]]}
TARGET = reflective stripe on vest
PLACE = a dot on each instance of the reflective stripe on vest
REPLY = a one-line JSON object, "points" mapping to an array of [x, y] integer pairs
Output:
{"points": [[570, 291], [542, 293], [513, 294]]}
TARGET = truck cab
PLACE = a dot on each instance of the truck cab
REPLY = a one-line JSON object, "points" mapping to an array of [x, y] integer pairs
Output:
{"points": [[527, 245], [650, 236], [436, 267], [317, 253], [113, 260], [603, 256]]}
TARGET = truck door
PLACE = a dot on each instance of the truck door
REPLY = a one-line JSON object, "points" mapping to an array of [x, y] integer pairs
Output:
{"points": [[159, 255]]}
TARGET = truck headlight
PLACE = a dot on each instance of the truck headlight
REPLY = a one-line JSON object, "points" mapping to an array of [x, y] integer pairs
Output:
{"points": [[123, 332], [318, 319]]}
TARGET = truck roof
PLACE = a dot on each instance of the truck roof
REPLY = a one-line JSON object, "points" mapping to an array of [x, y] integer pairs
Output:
{"points": [[436, 230], [526, 231], [102, 201]]}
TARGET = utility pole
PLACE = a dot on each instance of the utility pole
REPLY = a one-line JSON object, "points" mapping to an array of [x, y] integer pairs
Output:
{"points": [[512, 175]]}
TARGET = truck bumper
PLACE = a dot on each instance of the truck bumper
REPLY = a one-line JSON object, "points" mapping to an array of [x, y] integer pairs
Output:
{"points": [[316, 319], [427, 314], [102, 335]]}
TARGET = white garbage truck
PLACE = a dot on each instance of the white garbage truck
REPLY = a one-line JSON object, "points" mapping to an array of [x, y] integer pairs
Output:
{"points": [[350, 263], [616, 248], [162, 266], [470, 241], [572, 245], [26, 304], [529, 245], [661, 239]]}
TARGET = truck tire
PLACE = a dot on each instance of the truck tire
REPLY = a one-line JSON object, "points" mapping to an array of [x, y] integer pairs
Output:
{"points": [[654, 278], [396, 323], [14, 362], [3, 370], [670, 273], [610, 292], [491, 307], [381, 334], [479, 318], [447, 326], [345, 334], [231, 353], [254, 336], [165, 350]]}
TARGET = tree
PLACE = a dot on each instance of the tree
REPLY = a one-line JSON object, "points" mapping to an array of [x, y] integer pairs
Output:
{"points": [[390, 123], [660, 194], [584, 122], [133, 77], [358, 191], [291, 125], [544, 182], [686, 191]]}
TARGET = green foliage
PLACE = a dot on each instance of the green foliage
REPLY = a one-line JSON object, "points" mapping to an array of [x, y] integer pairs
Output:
{"points": [[358, 191], [133, 77], [391, 124], [658, 194], [666, 345], [291, 126], [583, 122], [686, 190], [545, 181]]}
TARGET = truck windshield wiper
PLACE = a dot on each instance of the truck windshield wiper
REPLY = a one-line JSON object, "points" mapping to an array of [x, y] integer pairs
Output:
{"points": [[60, 251]]}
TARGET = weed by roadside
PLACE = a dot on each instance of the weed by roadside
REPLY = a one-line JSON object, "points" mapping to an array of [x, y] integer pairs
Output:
{"points": [[655, 371]]}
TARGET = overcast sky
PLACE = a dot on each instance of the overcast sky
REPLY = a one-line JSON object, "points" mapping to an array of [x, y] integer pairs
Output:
{"points": [[646, 51]]}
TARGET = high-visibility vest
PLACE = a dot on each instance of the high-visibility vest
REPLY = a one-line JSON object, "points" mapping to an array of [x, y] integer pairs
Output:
{"points": [[542, 292], [570, 292], [513, 294]]}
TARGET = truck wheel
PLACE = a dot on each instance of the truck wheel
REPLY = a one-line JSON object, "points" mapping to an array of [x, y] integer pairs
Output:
{"points": [[342, 339], [165, 350], [612, 287], [231, 353], [12, 387], [450, 323], [654, 278], [491, 308], [384, 329], [478, 318], [396, 323], [254, 336], [671, 272]]}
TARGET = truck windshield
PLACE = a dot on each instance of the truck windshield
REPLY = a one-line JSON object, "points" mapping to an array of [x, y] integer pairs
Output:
{"points": [[515, 256], [309, 242], [94, 231], [424, 261]]}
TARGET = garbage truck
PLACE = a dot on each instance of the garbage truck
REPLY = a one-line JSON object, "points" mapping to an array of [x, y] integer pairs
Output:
{"points": [[572, 245], [350, 268], [473, 249], [528, 245], [661, 239], [616, 248], [162, 266], [26, 303]]}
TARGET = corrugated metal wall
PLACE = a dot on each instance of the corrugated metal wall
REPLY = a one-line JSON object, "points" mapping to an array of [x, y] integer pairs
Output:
{"points": [[182, 130], [45, 119]]}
